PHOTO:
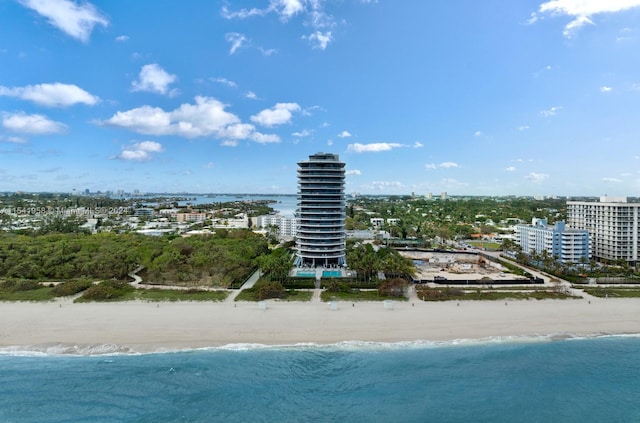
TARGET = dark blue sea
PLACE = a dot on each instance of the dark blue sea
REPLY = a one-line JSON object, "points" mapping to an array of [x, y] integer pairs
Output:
{"points": [[508, 380]]}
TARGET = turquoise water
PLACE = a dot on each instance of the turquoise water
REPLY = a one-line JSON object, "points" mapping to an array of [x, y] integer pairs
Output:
{"points": [[533, 380], [325, 274]]}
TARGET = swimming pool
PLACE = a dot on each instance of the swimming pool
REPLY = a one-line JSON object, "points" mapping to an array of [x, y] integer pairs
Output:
{"points": [[331, 274]]}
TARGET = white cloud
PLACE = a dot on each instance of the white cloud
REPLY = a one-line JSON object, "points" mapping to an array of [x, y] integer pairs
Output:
{"points": [[382, 185], [31, 124], [264, 138], [313, 13], [443, 165], [319, 40], [243, 13], [522, 128], [309, 112], [373, 147], [141, 151], [448, 165], [206, 117], [284, 8], [354, 172], [532, 19], [625, 34], [511, 169], [606, 89], [225, 81], [572, 27], [418, 144], [478, 134], [236, 40], [344, 134], [122, 38], [586, 7], [612, 180], [267, 51], [329, 143], [251, 95], [154, 79], [52, 95], [229, 143], [287, 8], [75, 20], [303, 133], [237, 131], [550, 112], [536, 177], [13, 140], [582, 11], [280, 114]]}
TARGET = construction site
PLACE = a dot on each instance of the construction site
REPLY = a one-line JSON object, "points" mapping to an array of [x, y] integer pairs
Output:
{"points": [[453, 267]]}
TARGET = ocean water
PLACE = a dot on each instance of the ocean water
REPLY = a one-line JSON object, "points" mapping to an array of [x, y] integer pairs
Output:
{"points": [[495, 380]]}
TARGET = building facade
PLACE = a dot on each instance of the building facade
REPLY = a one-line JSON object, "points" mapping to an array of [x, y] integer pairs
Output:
{"points": [[565, 245], [613, 226], [287, 226], [320, 232]]}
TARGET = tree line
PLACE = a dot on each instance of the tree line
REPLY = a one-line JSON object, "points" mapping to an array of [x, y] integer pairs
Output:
{"points": [[216, 260], [368, 261]]}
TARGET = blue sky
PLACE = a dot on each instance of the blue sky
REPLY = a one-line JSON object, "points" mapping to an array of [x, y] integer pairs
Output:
{"points": [[491, 97]]}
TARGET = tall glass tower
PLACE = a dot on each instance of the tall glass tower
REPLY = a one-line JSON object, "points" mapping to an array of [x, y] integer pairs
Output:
{"points": [[320, 237]]}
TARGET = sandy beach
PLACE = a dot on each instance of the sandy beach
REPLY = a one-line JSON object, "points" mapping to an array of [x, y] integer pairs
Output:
{"points": [[147, 327]]}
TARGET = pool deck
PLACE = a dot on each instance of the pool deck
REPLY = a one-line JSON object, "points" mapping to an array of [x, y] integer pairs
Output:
{"points": [[318, 273]]}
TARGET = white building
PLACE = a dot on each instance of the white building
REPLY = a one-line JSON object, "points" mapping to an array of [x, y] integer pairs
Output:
{"points": [[190, 217], [612, 224], [566, 245], [320, 237], [286, 225], [240, 221], [376, 222]]}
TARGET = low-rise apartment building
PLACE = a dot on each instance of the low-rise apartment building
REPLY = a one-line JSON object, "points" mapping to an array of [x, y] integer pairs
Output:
{"points": [[564, 244], [286, 225]]}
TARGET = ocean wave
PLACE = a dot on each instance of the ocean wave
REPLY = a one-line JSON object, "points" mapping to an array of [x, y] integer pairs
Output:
{"points": [[42, 350], [66, 350]]}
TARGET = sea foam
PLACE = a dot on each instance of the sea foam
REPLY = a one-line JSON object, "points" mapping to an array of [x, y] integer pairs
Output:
{"points": [[349, 345]]}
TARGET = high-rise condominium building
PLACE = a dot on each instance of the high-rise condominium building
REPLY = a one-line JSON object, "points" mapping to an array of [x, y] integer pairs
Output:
{"points": [[320, 235], [613, 224], [563, 244]]}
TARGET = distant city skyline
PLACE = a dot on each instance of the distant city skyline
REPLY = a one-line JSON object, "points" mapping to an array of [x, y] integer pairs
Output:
{"points": [[524, 98]]}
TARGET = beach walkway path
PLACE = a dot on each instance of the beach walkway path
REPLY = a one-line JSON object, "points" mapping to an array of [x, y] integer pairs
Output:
{"points": [[246, 285], [316, 296]]}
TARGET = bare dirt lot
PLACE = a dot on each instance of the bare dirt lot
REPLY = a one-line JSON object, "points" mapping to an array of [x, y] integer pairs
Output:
{"points": [[456, 266]]}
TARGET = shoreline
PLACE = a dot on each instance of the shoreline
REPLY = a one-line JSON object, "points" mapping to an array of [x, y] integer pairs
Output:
{"points": [[141, 327]]}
